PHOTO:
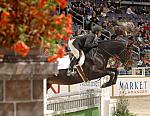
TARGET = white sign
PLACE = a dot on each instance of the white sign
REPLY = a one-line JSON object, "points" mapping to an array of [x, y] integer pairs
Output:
{"points": [[93, 84], [132, 86]]}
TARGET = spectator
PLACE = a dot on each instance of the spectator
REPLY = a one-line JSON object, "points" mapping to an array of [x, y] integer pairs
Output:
{"points": [[130, 12], [140, 23], [105, 10], [113, 21], [105, 22]]}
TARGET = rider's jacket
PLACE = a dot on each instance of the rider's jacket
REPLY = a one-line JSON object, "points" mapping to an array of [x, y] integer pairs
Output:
{"points": [[85, 42]]}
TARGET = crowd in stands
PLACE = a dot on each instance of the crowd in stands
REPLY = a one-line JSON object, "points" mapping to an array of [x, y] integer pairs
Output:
{"points": [[121, 21]]}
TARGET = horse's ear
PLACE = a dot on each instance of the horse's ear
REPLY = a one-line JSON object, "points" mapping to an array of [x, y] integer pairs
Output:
{"points": [[130, 42], [129, 45]]}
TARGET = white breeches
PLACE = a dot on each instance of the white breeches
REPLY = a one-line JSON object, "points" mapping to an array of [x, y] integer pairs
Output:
{"points": [[73, 49]]}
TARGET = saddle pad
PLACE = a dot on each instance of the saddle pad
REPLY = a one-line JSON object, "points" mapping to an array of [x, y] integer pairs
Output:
{"points": [[63, 63]]}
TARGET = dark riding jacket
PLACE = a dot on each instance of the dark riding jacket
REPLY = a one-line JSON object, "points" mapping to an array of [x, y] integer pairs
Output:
{"points": [[85, 43]]}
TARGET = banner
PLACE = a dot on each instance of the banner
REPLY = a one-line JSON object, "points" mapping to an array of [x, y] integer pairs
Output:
{"points": [[132, 86]]}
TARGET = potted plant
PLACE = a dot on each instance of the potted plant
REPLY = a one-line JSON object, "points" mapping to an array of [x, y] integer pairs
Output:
{"points": [[30, 26]]}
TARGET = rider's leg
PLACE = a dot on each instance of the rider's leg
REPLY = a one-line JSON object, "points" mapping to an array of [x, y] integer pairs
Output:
{"points": [[71, 67], [73, 63]]}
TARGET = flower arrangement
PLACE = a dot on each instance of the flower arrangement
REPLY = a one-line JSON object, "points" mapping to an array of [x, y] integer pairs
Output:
{"points": [[27, 24]]}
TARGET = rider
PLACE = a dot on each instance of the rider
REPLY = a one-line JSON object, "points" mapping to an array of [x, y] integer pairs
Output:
{"points": [[85, 43]]}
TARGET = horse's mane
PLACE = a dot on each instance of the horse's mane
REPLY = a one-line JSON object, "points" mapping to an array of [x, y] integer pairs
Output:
{"points": [[120, 42]]}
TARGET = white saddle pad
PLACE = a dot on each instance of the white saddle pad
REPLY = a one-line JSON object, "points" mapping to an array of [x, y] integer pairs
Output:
{"points": [[63, 63]]}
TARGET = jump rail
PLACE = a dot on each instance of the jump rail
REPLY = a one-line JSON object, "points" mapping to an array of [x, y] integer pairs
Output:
{"points": [[73, 101]]}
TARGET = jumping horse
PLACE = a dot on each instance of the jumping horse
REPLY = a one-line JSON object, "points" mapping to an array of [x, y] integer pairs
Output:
{"points": [[104, 51]]}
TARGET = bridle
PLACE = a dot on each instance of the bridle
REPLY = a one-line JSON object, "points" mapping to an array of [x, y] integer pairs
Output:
{"points": [[125, 64], [117, 56]]}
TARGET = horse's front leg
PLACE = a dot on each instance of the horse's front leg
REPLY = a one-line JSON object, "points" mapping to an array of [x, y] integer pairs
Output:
{"points": [[113, 73], [113, 78]]}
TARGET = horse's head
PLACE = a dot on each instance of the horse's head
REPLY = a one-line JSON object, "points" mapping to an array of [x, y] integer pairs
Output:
{"points": [[126, 57]]}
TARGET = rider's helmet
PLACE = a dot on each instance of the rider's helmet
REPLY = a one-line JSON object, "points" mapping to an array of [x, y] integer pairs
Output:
{"points": [[96, 29]]}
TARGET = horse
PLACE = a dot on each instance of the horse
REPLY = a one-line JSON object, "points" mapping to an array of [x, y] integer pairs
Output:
{"points": [[105, 50]]}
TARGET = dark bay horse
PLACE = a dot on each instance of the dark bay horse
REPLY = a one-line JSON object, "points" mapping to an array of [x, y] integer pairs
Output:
{"points": [[103, 52]]}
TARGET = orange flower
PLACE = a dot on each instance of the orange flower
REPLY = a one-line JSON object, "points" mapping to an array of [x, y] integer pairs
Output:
{"points": [[39, 14], [60, 51], [21, 48], [44, 21], [62, 3], [4, 18], [5, 14], [41, 3], [53, 8], [53, 58], [59, 54], [58, 19], [69, 24], [69, 19], [59, 36], [52, 30], [32, 10], [65, 38], [69, 30]]}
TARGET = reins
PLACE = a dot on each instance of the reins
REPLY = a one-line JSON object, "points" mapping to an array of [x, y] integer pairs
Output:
{"points": [[116, 56]]}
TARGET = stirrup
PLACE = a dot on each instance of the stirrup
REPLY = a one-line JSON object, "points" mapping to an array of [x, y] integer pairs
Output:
{"points": [[70, 72]]}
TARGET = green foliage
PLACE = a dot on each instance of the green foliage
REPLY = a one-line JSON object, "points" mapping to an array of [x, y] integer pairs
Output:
{"points": [[122, 108]]}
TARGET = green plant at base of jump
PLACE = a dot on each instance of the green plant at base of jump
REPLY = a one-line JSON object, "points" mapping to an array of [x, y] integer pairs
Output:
{"points": [[122, 108]]}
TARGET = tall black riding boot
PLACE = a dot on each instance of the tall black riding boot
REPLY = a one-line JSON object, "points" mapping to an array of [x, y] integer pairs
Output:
{"points": [[72, 63]]}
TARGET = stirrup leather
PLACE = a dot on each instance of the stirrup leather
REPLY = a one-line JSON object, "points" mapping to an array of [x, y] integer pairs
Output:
{"points": [[81, 73]]}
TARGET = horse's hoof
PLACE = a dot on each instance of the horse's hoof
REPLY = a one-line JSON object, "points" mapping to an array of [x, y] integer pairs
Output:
{"points": [[71, 74], [68, 75], [114, 82], [103, 86], [106, 85]]}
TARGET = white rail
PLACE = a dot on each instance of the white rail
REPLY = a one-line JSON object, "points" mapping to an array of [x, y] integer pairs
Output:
{"points": [[144, 71], [73, 101]]}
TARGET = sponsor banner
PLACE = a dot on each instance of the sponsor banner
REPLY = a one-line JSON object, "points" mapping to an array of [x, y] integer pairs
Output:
{"points": [[60, 89], [132, 86], [93, 84]]}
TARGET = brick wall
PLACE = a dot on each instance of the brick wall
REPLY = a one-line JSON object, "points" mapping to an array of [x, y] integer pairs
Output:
{"points": [[21, 87], [21, 98]]}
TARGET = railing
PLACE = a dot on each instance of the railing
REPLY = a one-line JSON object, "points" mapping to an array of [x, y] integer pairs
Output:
{"points": [[137, 51], [73, 101], [144, 71], [135, 2], [77, 18], [83, 22], [66, 105]]}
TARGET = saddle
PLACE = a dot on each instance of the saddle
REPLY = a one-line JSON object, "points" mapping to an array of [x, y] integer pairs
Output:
{"points": [[78, 67]]}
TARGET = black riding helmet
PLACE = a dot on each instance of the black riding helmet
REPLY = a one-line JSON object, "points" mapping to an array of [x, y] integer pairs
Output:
{"points": [[96, 29]]}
